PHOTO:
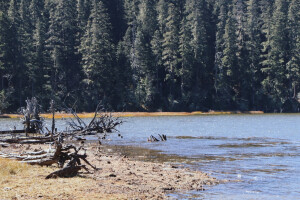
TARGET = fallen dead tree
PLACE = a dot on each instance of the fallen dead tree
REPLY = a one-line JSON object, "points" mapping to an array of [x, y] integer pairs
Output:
{"points": [[74, 163], [43, 158], [68, 158]]}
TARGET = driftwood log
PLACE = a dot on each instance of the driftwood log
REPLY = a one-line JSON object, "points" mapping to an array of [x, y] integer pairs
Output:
{"points": [[12, 132], [29, 140]]}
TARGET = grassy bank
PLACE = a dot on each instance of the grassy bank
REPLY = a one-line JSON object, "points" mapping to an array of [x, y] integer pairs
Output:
{"points": [[139, 114]]}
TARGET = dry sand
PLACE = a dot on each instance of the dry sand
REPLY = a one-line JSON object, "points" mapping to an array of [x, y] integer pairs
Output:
{"points": [[118, 177]]}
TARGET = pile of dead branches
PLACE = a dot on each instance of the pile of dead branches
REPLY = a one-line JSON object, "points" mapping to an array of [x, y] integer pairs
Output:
{"points": [[102, 122]]}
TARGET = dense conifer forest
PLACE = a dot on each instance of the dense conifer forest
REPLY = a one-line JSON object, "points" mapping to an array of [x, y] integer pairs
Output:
{"points": [[151, 55]]}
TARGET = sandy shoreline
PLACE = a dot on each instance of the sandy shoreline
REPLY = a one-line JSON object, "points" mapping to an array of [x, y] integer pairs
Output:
{"points": [[119, 177]]}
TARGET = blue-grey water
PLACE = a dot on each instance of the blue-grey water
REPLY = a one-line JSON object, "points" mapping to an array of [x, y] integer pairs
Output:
{"points": [[262, 152]]}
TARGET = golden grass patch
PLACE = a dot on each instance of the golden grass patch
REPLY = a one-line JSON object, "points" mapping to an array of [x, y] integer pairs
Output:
{"points": [[11, 167], [140, 114], [22, 181]]}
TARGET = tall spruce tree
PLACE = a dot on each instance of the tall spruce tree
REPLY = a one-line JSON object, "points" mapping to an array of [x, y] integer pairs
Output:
{"points": [[6, 50], [147, 92], [62, 44], [254, 47], [25, 32], [186, 60], [293, 63], [17, 67], [5, 59], [275, 83], [98, 56], [170, 53], [197, 19], [221, 8], [240, 12], [230, 74]]}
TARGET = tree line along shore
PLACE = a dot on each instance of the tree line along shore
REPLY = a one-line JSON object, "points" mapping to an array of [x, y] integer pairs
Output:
{"points": [[151, 55]]}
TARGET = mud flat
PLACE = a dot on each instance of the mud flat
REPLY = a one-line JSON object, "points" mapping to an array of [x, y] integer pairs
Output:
{"points": [[120, 176]]}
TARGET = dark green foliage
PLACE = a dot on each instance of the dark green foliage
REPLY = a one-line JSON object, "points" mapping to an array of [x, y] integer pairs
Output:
{"points": [[179, 55], [98, 58], [276, 83]]}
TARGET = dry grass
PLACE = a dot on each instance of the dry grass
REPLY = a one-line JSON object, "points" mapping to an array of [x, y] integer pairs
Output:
{"points": [[10, 167], [141, 114], [21, 181]]}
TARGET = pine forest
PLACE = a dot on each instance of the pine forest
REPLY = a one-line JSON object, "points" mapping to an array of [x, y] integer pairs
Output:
{"points": [[151, 55]]}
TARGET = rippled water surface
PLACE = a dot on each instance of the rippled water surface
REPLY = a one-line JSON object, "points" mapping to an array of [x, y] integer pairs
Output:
{"points": [[261, 151]]}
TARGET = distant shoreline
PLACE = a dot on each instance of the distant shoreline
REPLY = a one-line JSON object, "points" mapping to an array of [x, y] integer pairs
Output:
{"points": [[60, 115]]}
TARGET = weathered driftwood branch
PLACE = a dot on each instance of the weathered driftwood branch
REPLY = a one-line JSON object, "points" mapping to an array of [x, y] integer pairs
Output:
{"points": [[68, 171], [12, 132], [154, 139], [43, 158], [52, 109], [4, 145], [29, 140], [163, 137]]}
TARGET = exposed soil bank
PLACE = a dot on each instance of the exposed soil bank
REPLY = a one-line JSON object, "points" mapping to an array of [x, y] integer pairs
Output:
{"points": [[138, 114], [120, 176]]}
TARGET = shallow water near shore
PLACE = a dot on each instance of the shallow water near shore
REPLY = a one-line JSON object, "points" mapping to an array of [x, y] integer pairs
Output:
{"points": [[262, 152]]}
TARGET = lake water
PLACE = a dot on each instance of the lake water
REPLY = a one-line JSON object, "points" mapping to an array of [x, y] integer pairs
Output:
{"points": [[260, 152]]}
